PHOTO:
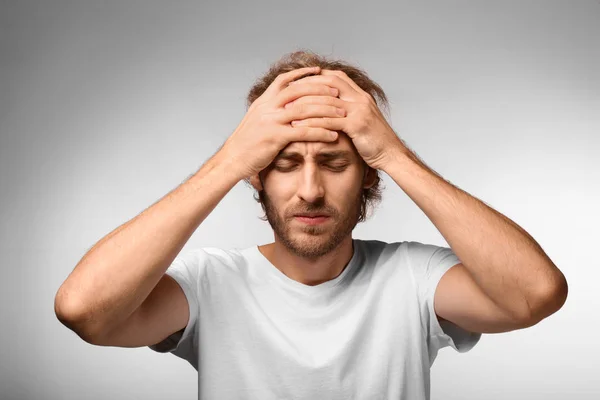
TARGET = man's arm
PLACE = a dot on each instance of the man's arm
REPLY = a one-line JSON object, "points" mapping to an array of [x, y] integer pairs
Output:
{"points": [[115, 277], [505, 262], [118, 273]]}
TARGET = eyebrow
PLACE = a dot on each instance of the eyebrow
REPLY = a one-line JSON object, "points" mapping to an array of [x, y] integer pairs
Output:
{"points": [[325, 155]]}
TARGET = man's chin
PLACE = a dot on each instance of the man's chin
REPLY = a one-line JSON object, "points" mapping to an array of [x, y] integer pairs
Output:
{"points": [[304, 234], [303, 230], [310, 246]]}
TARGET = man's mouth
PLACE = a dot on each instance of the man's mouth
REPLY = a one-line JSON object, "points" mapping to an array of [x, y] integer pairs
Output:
{"points": [[311, 220]]}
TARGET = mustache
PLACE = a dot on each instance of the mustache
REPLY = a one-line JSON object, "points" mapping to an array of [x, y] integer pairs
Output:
{"points": [[313, 211]]}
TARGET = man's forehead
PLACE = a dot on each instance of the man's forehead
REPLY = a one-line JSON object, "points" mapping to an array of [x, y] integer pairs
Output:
{"points": [[341, 147], [318, 150]]}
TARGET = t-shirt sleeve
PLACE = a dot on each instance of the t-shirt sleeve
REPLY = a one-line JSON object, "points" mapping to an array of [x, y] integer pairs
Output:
{"points": [[428, 264], [185, 270]]}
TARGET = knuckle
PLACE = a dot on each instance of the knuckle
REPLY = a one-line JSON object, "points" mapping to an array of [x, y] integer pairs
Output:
{"points": [[334, 101], [339, 79], [329, 79], [281, 77], [326, 89], [303, 133], [293, 90], [302, 109]]}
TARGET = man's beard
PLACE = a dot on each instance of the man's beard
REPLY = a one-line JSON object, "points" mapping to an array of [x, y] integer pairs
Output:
{"points": [[313, 241]]}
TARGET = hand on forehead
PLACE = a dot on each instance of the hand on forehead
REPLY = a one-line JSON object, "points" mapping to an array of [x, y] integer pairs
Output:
{"points": [[359, 116], [348, 89]]}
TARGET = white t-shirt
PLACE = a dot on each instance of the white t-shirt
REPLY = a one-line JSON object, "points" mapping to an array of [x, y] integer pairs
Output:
{"points": [[369, 333]]}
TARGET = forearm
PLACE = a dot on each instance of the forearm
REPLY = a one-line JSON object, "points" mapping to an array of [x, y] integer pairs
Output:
{"points": [[506, 262], [117, 274]]}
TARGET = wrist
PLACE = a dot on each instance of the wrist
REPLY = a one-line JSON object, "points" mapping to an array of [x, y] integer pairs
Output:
{"points": [[227, 166], [398, 157], [218, 169]]}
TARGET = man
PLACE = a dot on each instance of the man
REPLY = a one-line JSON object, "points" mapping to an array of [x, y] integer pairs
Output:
{"points": [[316, 313]]}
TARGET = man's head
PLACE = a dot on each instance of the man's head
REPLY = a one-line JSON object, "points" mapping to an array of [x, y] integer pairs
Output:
{"points": [[316, 177]]}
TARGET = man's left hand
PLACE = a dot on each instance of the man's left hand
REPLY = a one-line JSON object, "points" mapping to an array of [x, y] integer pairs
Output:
{"points": [[374, 139]]}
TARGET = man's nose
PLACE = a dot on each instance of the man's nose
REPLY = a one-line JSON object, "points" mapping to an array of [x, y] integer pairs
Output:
{"points": [[310, 184]]}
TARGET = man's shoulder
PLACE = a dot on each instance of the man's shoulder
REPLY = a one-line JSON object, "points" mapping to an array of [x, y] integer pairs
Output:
{"points": [[211, 257], [379, 248], [379, 244], [410, 251], [408, 245]]}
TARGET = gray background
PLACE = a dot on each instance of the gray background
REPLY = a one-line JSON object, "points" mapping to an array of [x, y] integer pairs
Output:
{"points": [[107, 106]]}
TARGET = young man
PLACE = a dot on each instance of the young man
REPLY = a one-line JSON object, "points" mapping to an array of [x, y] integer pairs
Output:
{"points": [[316, 313]]}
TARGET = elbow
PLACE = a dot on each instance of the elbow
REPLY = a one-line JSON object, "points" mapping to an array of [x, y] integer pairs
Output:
{"points": [[549, 300], [74, 318]]}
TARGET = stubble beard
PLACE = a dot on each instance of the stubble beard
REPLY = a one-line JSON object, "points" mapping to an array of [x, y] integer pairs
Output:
{"points": [[313, 241]]}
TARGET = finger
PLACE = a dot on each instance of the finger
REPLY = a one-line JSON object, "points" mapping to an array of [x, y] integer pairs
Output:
{"points": [[342, 75], [329, 100], [304, 111], [333, 124], [347, 92], [282, 80], [294, 92], [309, 134]]}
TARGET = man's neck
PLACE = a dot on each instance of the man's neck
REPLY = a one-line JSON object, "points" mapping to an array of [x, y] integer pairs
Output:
{"points": [[305, 271]]}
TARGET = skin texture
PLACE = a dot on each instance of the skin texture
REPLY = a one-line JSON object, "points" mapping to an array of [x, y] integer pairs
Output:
{"points": [[118, 274], [312, 254], [505, 280]]}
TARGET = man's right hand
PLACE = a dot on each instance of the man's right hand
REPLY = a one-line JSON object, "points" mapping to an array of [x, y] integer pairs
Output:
{"points": [[265, 129]]}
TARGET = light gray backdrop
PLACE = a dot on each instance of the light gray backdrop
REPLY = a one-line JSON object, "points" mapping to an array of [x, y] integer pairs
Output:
{"points": [[106, 106]]}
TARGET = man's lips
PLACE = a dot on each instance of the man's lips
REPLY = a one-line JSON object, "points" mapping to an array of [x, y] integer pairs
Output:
{"points": [[311, 220]]}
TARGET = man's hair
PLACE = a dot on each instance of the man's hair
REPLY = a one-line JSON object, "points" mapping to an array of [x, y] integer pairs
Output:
{"points": [[306, 58]]}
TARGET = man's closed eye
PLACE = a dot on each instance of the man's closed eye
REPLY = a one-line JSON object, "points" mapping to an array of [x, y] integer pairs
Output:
{"points": [[290, 167]]}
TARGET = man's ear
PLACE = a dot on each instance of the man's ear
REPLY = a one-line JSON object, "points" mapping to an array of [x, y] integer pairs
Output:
{"points": [[370, 177], [256, 183]]}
